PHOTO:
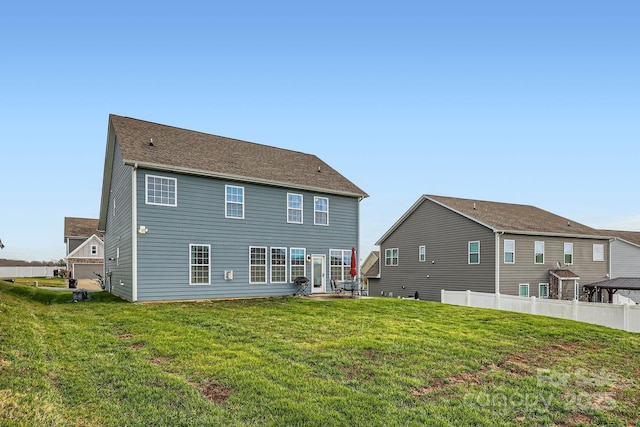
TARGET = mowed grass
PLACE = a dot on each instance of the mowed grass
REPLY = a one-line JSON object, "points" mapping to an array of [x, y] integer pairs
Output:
{"points": [[304, 362]]}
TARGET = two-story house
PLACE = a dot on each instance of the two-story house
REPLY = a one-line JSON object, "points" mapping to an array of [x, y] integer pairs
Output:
{"points": [[189, 215], [461, 244], [84, 248]]}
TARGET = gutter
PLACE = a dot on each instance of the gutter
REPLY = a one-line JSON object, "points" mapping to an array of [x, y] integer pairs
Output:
{"points": [[134, 234]]}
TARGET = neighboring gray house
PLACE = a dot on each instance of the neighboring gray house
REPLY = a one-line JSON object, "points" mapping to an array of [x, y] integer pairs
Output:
{"points": [[84, 247], [188, 215], [460, 244], [625, 259]]}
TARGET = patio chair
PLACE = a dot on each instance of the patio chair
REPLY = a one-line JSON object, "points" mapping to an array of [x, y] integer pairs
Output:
{"points": [[335, 288]]}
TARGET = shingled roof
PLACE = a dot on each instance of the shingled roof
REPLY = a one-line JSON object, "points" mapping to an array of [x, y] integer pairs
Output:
{"points": [[507, 217], [163, 147], [629, 236], [80, 227]]}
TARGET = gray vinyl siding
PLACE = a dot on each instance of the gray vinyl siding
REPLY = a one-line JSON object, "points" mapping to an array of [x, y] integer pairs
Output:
{"points": [[625, 259], [526, 271], [118, 230], [446, 235], [199, 218], [75, 242]]}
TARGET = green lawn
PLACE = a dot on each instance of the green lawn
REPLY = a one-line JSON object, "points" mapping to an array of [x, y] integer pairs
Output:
{"points": [[304, 362], [53, 282]]}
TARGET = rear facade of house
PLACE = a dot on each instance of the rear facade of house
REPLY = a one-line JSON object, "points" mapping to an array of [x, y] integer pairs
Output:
{"points": [[440, 244], [173, 232]]}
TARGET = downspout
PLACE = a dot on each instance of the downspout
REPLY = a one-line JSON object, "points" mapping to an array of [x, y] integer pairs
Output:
{"points": [[134, 234], [497, 272]]}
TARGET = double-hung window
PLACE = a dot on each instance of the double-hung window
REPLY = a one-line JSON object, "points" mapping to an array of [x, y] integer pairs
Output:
{"points": [[294, 208], [278, 265], [509, 251], [474, 252], [538, 257], [321, 211], [391, 256], [340, 264], [422, 253], [161, 190], [568, 253], [523, 289], [200, 263], [234, 201], [257, 264], [543, 290], [598, 252], [94, 249], [297, 257]]}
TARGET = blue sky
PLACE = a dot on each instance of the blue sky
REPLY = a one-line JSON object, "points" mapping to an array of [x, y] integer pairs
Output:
{"points": [[520, 102]]}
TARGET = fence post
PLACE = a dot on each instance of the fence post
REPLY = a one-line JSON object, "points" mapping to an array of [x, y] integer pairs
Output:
{"points": [[498, 300], [625, 317], [534, 309], [468, 298], [441, 295], [575, 309]]}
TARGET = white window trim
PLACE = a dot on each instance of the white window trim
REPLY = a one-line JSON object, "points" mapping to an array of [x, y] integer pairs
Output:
{"points": [[93, 250], [301, 208], [315, 210], [520, 287], [391, 264], [286, 267], [504, 258], [540, 285], [291, 265], [469, 252], [422, 253], [535, 253], [191, 245], [601, 252], [565, 253], [226, 201], [266, 264], [146, 190]]}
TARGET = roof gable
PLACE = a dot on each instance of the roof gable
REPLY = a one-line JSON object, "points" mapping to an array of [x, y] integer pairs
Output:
{"points": [[95, 240], [160, 146]]}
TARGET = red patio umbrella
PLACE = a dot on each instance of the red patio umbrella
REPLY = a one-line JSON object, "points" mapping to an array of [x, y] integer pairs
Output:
{"points": [[353, 271]]}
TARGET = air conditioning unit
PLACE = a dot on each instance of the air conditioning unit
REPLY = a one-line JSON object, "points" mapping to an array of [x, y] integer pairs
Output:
{"points": [[228, 275]]}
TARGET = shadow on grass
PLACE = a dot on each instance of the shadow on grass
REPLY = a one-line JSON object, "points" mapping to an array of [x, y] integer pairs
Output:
{"points": [[48, 297]]}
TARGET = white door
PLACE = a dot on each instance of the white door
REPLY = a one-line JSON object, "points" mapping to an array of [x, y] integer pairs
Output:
{"points": [[318, 266]]}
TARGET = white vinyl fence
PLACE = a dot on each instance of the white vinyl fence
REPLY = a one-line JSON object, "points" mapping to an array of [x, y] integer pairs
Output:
{"points": [[617, 316], [28, 271]]}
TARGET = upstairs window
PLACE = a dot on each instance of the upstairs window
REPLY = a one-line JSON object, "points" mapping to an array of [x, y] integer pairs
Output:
{"points": [[568, 253], [391, 256], [94, 249], [422, 253], [321, 211], [161, 190], [234, 201], [294, 208], [509, 251], [474, 252], [538, 257], [598, 252]]}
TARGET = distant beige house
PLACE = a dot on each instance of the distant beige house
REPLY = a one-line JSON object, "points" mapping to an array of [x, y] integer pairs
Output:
{"points": [[84, 247], [370, 268]]}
